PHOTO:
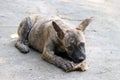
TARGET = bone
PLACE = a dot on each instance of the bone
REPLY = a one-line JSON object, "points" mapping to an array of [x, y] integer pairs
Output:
{"points": [[76, 67], [80, 67]]}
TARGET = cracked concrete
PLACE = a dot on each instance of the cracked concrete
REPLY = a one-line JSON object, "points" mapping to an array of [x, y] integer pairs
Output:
{"points": [[102, 39]]}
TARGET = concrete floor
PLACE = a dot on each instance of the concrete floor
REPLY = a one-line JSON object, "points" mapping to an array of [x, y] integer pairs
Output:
{"points": [[102, 39]]}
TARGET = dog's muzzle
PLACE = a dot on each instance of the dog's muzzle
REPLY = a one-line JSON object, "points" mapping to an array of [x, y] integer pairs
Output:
{"points": [[79, 55]]}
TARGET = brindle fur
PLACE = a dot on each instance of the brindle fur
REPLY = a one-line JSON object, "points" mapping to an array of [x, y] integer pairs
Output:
{"points": [[51, 37]]}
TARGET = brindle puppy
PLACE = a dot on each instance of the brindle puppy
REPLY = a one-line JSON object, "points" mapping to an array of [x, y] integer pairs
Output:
{"points": [[54, 39]]}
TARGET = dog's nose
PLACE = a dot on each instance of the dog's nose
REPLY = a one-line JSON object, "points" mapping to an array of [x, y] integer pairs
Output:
{"points": [[81, 59]]}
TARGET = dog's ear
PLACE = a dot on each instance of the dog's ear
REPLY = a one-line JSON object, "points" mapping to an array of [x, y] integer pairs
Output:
{"points": [[84, 24], [59, 31]]}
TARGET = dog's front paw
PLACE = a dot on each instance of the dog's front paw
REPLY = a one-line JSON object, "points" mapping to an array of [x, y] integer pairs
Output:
{"points": [[84, 67], [68, 66]]}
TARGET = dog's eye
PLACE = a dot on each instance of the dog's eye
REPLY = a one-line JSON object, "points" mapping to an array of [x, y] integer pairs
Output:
{"points": [[82, 44]]}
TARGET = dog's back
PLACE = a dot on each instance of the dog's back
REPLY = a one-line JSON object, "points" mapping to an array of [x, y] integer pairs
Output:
{"points": [[42, 29]]}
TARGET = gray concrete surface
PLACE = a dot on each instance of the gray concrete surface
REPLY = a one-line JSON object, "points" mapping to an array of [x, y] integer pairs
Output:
{"points": [[102, 39]]}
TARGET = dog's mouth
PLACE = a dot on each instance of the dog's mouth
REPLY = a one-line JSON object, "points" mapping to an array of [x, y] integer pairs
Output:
{"points": [[65, 56], [78, 61]]}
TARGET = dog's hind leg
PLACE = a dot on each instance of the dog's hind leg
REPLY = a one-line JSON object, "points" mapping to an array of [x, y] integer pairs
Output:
{"points": [[23, 31], [21, 46]]}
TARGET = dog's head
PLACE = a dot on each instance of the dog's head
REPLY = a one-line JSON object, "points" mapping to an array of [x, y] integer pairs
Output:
{"points": [[73, 40]]}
